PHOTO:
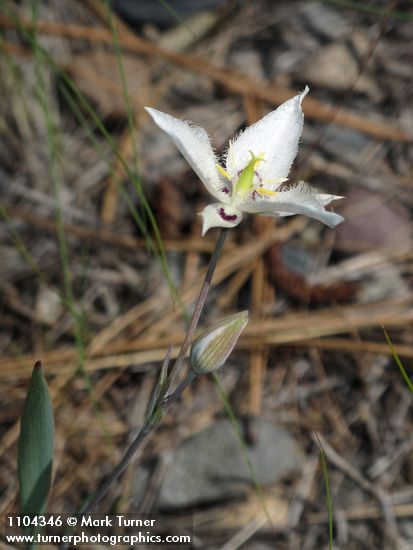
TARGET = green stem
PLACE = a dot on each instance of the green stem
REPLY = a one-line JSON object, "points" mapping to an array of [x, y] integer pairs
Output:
{"points": [[148, 426], [199, 305]]}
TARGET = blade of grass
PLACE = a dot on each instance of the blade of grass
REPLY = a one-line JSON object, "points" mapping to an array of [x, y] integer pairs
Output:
{"points": [[131, 123], [176, 16], [17, 241], [126, 99], [368, 8], [54, 154], [235, 81], [68, 87], [27, 256], [54, 161], [20, 246], [156, 245], [244, 449], [124, 84], [328, 494], [398, 361]]}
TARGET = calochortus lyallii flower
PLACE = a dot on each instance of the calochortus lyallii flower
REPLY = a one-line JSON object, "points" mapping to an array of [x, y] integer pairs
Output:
{"points": [[255, 168]]}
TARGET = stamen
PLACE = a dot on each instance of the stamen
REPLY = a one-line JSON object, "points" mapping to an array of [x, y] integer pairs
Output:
{"points": [[260, 158], [262, 191], [223, 172]]}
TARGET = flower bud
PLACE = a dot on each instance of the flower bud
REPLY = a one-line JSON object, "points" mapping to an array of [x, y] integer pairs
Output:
{"points": [[210, 351]]}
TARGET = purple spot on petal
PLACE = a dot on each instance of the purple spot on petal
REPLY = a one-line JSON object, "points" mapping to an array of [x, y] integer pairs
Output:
{"points": [[225, 190], [227, 217]]}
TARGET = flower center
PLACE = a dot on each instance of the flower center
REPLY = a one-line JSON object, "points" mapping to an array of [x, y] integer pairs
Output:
{"points": [[243, 184]]}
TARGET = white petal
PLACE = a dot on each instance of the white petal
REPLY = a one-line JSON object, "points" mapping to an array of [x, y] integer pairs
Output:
{"points": [[276, 135], [326, 199], [298, 200], [194, 144], [219, 215]]}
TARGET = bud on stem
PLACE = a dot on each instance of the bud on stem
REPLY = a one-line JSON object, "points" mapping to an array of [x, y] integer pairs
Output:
{"points": [[211, 350]]}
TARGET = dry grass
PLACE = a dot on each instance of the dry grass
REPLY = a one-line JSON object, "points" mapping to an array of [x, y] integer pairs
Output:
{"points": [[313, 357]]}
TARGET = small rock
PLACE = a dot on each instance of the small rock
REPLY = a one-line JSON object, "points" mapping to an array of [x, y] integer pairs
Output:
{"points": [[210, 465], [384, 284], [325, 21], [372, 221], [334, 67], [248, 61], [48, 305]]}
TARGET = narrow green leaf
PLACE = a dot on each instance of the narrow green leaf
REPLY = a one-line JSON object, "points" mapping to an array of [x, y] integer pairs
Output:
{"points": [[176, 16], [243, 445], [376, 10], [328, 494], [35, 453], [398, 361]]}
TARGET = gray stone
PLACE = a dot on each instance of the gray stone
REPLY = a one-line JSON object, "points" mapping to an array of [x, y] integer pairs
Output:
{"points": [[326, 21], [210, 465]]}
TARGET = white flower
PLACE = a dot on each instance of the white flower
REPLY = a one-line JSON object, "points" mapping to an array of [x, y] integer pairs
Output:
{"points": [[256, 163]]}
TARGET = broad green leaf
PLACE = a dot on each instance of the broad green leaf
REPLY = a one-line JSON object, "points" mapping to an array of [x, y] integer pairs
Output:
{"points": [[35, 453]]}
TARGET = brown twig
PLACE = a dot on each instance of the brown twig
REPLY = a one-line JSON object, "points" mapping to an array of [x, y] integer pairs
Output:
{"points": [[232, 80]]}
